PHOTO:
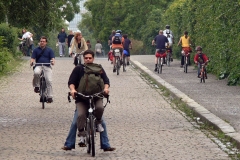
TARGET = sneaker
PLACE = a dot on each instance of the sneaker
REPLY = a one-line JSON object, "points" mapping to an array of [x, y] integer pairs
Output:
{"points": [[171, 59], [66, 148], [100, 128], [109, 149], [114, 69], [49, 100], [155, 69], [36, 90], [128, 63], [82, 142]]}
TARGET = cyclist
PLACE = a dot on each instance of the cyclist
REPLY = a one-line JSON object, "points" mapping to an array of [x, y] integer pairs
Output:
{"points": [[186, 43], [43, 54], [78, 45], [81, 104], [160, 40], [168, 33], [117, 44], [29, 40], [127, 45], [199, 59]]}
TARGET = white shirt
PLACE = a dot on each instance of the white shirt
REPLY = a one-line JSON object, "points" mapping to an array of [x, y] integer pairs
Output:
{"points": [[169, 36], [27, 35]]}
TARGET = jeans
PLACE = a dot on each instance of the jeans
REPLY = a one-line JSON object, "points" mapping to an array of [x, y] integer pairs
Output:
{"points": [[61, 48], [71, 138], [48, 78], [31, 47]]}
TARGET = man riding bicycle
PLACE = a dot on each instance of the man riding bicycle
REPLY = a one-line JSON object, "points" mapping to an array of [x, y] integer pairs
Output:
{"points": [[200, 58], [43, 54], [168, 33], [117, 43], [76, 78], [160, 41]]}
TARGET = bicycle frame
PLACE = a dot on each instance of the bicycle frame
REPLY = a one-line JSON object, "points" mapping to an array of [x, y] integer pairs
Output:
{"points": [[90, 121], [202, 72]]}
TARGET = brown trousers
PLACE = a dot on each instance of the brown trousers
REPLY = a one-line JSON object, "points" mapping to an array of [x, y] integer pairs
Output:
{"points": [[82, 109]]}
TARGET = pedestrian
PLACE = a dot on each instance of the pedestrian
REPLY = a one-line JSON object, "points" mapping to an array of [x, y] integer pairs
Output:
{"points": [[98, 48], [69, 39], [62, 40], [43, 54], [89, 44]]}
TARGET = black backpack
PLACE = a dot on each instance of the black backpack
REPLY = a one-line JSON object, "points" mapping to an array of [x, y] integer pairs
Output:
{"points": [[117, 39]]}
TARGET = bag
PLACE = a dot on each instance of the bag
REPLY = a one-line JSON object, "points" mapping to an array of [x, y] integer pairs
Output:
{"points": [[117, 39], [125, 53], [99, 50], [200, 58], [91, 82], [110, 56]]}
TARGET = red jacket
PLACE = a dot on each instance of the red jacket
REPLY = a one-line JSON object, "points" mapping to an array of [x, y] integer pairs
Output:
{"points": [[202, 56]]}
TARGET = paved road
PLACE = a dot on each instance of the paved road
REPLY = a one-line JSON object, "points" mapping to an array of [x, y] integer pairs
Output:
{"points": [[141, 124], [214, 95]]}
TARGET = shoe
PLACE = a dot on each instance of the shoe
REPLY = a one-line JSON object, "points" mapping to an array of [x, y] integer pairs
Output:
{"points": [[49, 100], [198, 76], [100, 128], [66, 148], [127, 63], [36, 90], [205, 77], [109, 149], [155, 69], [82, 142], [114, 69], [171, 59]]}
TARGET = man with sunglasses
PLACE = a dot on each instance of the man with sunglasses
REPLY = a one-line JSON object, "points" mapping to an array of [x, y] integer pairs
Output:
{"points": [[81, 107], [43, 54]]}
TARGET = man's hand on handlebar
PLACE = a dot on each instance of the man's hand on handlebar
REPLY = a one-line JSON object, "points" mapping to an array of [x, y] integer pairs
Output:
{"points": [[73, 92]]}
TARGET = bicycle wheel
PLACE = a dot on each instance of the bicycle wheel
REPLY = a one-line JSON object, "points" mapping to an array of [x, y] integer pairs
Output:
{"points": [[185, 64], [92, 135], [42, 91], [88, 139], [118, 65], [161, 65], [168, 59], [124, 64], [158, 65]]}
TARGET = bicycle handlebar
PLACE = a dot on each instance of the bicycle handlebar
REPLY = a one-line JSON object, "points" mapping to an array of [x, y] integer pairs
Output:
{"points": [[99, 95]]}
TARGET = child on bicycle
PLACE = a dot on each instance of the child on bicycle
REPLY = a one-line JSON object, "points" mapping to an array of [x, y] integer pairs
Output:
{"points": [[200, 58]]}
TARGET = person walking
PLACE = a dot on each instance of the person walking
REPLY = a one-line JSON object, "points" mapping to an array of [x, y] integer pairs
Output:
{"points": [[28, 37], [98, 48], [62, 40], [127, 45]]}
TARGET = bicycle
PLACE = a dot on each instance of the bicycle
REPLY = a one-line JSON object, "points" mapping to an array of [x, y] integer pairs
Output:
{"points": [[186, 60], [203, 72], [23, 47], [117, 56], [124, 62], [91, 119], [168, 59], [161, 54], [43, 85]]}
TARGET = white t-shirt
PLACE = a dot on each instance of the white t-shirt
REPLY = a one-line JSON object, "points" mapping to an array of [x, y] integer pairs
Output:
{"points": [[169, 36], [27, 35]]}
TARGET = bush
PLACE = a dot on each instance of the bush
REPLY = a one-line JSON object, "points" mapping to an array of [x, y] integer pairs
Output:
{"points": [[10, 36]]}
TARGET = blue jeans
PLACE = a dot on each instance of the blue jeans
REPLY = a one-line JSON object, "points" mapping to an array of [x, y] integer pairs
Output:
{"points": [[31, 47], [71, 138]]}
